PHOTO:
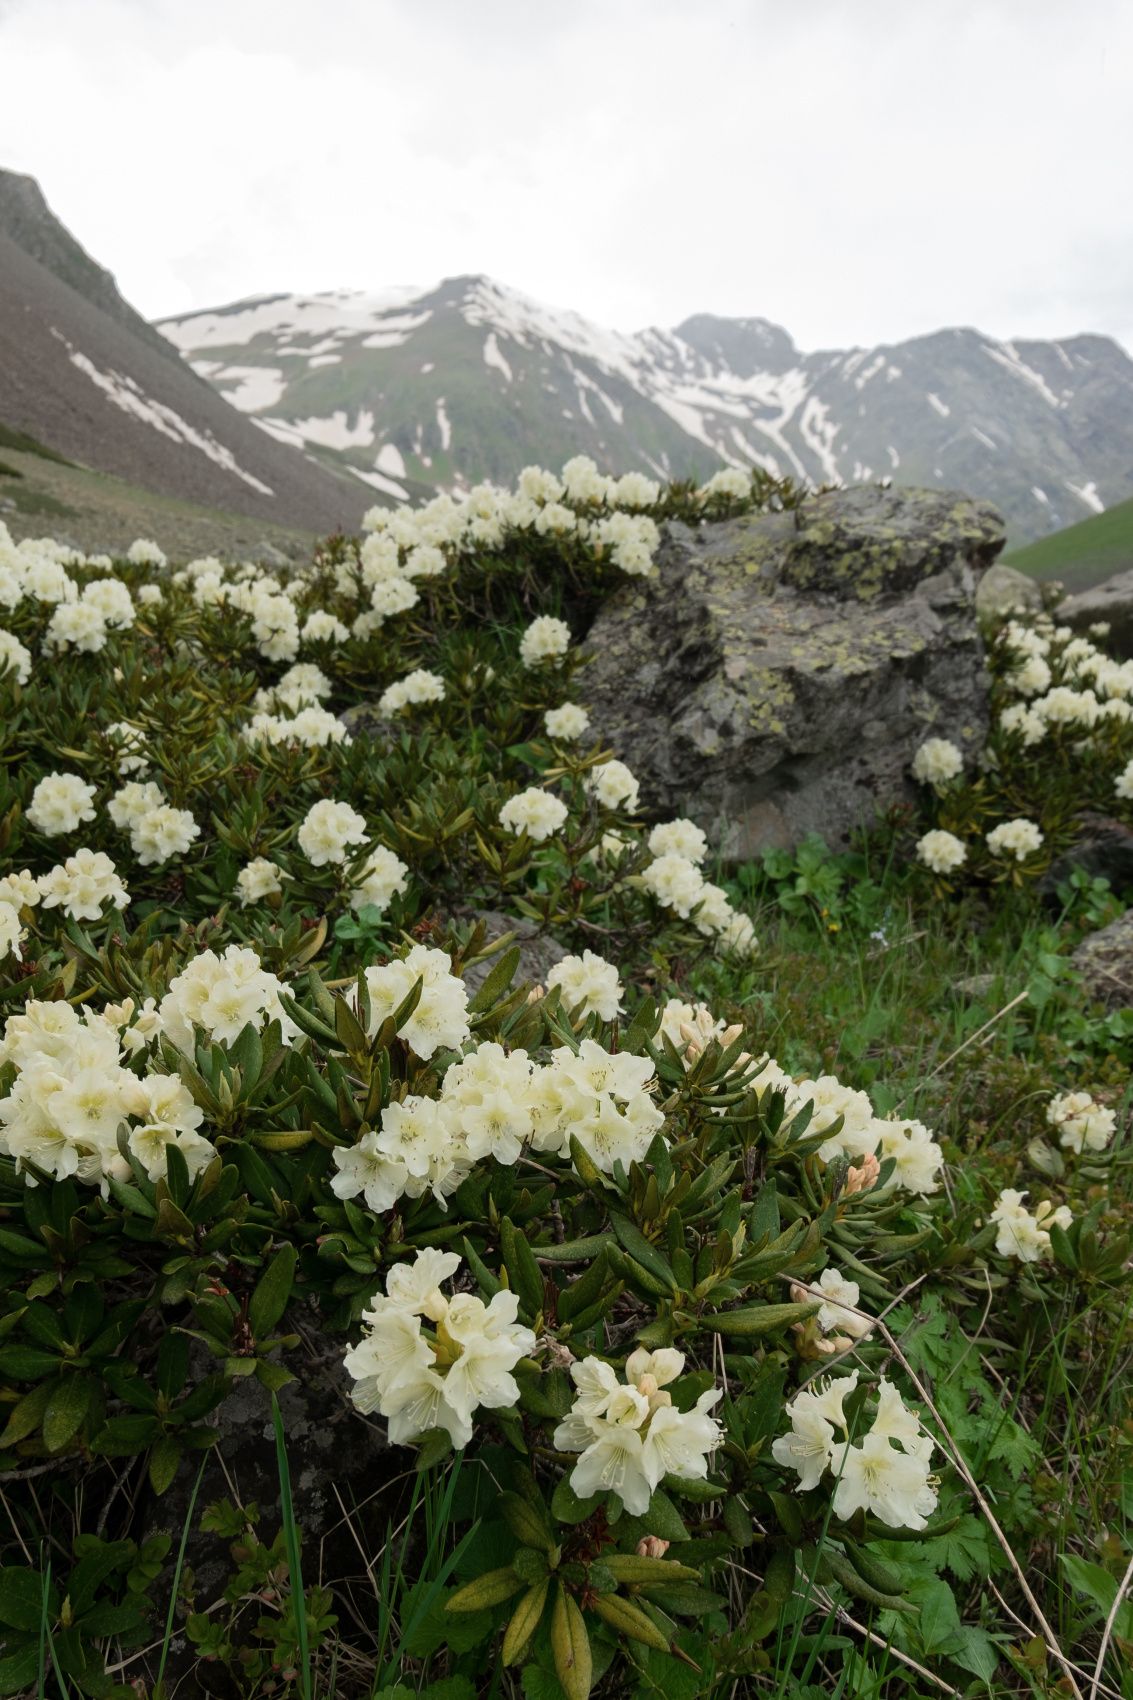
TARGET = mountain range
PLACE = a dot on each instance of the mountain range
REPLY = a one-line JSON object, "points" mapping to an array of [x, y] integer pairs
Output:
{"points": [[471, 380], [302, 410]]}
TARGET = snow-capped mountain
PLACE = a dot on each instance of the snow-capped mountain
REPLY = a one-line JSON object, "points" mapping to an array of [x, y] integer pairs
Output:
{"points": [[471, 380]]}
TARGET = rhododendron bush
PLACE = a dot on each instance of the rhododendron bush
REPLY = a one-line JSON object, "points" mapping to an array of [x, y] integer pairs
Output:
{"points": [[268, 1076]]}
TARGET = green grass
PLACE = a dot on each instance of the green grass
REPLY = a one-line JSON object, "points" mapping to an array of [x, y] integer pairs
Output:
{"points": [[12, 439], [1084, 554]]}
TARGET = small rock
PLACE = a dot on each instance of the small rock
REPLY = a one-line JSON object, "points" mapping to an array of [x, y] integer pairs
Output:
{"points": [[1105, 961], [1104, 850], [538, 951], [1111, 601], [269, 556], [1003, 590]]}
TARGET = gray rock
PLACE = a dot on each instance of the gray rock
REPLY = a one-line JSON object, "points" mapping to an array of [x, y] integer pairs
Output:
{"points": [[1111, 601], [269, 556], [1003, 590], [1103, 850], [778, 674], [538, 952], [1105, 961], [330, 1446]]}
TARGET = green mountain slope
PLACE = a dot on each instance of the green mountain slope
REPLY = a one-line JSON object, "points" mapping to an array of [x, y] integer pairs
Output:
{"points": [[1082, 555]]}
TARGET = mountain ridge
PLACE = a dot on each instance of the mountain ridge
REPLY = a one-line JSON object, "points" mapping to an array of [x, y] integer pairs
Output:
{"points": [[468, 379], [84, 373]]}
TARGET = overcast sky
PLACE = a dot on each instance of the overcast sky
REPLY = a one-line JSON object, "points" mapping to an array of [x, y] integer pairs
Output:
{"points": [[858, 170]]}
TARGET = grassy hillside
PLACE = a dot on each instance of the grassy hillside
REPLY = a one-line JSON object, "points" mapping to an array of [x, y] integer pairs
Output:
{"points": [[1084, 554], [42, 494]]}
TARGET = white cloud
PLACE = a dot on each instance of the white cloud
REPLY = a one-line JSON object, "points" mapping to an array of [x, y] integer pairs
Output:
{"points": [[858, 172]]}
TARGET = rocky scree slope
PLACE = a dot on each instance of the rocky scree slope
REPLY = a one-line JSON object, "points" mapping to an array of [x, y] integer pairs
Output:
{"points": [[471, 380], [84, 373]]}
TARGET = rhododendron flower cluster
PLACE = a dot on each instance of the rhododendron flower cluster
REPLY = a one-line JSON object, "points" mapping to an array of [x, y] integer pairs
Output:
{"points": [[1019, 838], [538, 813], [1081, 1124], [72, 1093], [222, 994], [83, 885], [630, 1434], [60, 803], [1021, 1234], [937, 762], [941, 851], [428, 1360], [887, 1472], [589, 985], [546, 639]]}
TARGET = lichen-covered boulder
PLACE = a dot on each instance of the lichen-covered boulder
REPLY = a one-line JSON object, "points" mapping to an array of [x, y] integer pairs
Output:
{"points": [[778, 673]]}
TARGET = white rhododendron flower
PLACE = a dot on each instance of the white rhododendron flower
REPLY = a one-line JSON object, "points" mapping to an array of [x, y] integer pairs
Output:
{"points": [[613, 786], [942, 852], [161, 833], [630, 1434], [1018, 720], [12, 934], [143, 552], [383, 877], [76, 625], [440, 1020], [130, 744], [937, 762], [112, 601], [72, 1093], [566, 722], [1022, 1234], [134, 800], [21, 889], [258, 879], [428, 1361], [589, 985], [1082, 1124], [887, 1472], [328, 830], [838, 1293], [83, 885], [731, 483], [60, 803], [1124, 783], [918, 1158], [15, 660], [546, 639], [675, 882], [1019, 838], [415, 689], [223, 995], [678, 838], [538, 813], [601, 1100]]}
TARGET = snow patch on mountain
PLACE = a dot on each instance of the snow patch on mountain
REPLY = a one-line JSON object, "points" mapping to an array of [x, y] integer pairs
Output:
{"points": [[346, 312], [1088, 493], [493, 357], [126, 394], [390, 459]]}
